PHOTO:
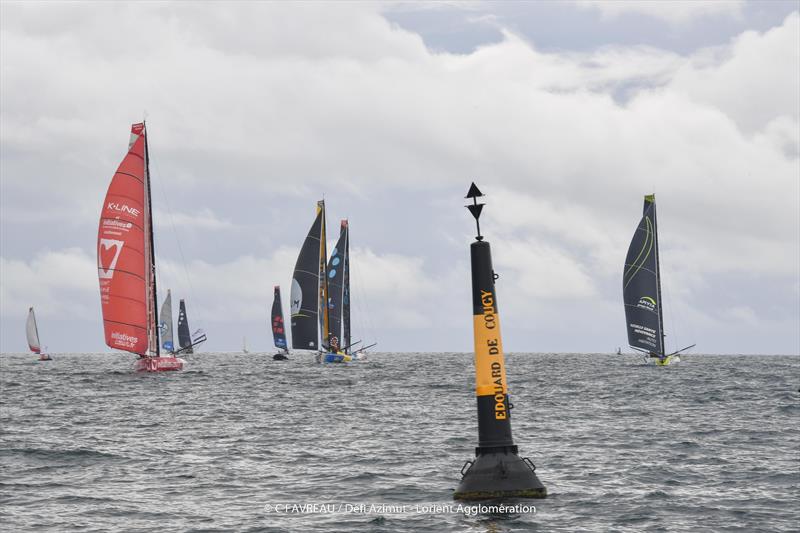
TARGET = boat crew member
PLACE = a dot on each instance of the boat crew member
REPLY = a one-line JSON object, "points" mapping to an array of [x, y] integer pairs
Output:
{"points": [[335, 344]]}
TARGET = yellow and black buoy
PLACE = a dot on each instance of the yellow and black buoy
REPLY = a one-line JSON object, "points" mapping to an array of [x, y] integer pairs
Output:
{"points": [[497, 471]]}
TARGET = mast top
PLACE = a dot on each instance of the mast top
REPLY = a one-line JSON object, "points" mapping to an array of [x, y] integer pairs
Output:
{"points": [[475, 208]]}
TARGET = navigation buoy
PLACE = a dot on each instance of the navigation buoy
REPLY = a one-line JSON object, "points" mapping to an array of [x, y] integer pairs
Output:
{"points": [[497, 471]]}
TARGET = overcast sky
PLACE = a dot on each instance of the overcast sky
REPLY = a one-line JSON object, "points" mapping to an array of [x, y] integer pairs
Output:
{"points": [[564, 113]]}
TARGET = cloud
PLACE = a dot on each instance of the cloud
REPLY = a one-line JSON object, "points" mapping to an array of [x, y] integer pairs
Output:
{"points": [[393, 289], [202, 219], [60, 282], [742, 314], [750, 80], [672, 11], [257, 109]]}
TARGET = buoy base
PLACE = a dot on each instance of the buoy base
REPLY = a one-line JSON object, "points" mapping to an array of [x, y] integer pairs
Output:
{"points": [[158, 364], [499, 473]]}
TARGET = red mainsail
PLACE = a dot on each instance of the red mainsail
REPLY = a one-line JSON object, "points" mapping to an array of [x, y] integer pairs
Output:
{"points": [[123, 252]]}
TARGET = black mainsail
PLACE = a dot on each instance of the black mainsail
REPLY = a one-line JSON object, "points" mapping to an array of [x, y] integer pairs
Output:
{"points": [[641, 286], [306, 287], [338, 278], [278, 327], [184, 336]]}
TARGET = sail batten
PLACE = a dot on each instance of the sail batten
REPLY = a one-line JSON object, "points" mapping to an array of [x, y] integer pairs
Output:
{"points": [[641, 285]]}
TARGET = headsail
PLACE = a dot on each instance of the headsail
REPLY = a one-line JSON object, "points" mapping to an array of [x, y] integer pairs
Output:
{"points": [[165, 324], [33, 333], [278, 327], [641, 285], [306, 287], [125, 262], [184, 335], [337, 279]]}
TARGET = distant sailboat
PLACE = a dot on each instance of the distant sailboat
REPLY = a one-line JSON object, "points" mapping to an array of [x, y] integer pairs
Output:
{"points": [[244, 345], [641, 291], [278, 327], [126, 262], [165, 325], [186, 340], [338, 274], [32, 331], [310, 304]]}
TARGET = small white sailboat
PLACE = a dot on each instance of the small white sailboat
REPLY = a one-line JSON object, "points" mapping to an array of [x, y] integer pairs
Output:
{"points": [[32, 332], [244, 345]]}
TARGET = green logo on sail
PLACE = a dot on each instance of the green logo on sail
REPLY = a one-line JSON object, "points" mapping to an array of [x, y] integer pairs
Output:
{"points": [[646, 302]]}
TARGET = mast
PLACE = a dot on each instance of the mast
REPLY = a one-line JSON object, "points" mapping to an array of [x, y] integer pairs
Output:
{"points": [[663, 353], [346, 288], [153, 296], [325, 322]]}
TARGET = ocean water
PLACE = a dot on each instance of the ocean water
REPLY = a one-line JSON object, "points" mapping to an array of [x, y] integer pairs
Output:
{"points": [[712, 444]]}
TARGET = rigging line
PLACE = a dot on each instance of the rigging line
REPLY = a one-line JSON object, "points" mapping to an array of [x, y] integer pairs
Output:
{"points": [[665, 287], [365, 317], [199, 308]]}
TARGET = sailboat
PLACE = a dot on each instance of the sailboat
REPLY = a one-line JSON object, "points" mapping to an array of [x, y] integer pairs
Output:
{"points": [[165, 324], [641, 291], [186, 340], [33, 336], [126, 262], [339, 296], [278, 328], [310, 303]]}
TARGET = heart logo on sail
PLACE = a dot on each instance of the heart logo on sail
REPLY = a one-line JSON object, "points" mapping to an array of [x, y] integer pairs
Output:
{"points": [[108, 251]]}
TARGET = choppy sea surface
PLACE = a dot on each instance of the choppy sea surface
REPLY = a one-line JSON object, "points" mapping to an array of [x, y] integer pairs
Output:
{"points": [[712, 444]]}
